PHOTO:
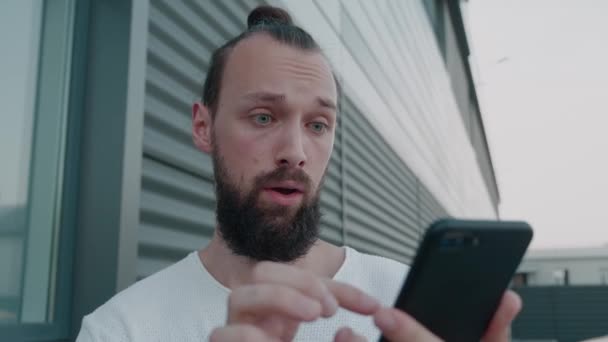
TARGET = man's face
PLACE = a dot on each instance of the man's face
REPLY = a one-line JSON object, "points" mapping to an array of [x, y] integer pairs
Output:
{"points": [[271, 140]]}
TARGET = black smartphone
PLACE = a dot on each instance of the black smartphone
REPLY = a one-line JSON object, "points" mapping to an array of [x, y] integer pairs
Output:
{"points": [[459, 274]]}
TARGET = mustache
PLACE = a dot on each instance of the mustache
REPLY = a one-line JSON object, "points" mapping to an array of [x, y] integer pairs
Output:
{"points": [[283, 174]]}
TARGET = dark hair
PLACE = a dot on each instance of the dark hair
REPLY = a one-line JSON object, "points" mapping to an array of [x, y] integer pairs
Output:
{"points": [[273, 21]]}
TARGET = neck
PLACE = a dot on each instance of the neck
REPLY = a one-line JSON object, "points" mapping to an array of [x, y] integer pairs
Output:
{"points": [[231, 270]]}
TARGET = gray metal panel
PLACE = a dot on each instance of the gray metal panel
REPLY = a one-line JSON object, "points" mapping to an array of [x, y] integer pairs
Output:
{"points": [[429, 209], [534, 322], [176, 214], [387, 207], [177, 196], [109, 149], [331, 195], [408, 89], [582, 312], [562, 313], [384, 199]]}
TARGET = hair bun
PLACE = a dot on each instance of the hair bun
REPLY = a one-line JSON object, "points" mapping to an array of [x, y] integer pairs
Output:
{"points": [[268, 15]]}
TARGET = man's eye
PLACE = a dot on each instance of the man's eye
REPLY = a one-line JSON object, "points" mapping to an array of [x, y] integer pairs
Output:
{"points": [[262, 119], [318, 127]]}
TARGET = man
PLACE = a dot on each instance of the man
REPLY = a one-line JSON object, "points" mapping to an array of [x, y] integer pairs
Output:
{"points": [[268, 119]]}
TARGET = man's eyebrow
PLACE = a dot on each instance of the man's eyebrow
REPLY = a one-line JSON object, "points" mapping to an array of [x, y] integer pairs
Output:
{"points": [[263, 96], [327, 103]]}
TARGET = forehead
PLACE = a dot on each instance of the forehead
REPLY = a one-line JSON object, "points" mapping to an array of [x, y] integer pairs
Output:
{"points": [[260, 63]]}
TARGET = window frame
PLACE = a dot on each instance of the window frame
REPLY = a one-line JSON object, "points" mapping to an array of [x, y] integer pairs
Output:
{"points": [[59, 18]]}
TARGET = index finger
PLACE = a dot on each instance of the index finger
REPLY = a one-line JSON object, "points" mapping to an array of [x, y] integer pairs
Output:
{"points": [[346, 296], [240, 333], [303, 281], [353, 299]]}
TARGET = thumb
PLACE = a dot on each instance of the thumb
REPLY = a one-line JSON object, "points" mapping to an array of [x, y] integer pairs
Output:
{"points": [[348, 335]]}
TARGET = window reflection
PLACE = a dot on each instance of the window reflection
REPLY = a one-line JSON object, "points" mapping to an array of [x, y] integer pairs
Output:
{"points": [[19, 31]]}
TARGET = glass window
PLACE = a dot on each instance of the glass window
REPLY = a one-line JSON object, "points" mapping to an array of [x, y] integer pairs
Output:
{"points": [[19, 33], [34, 82]]}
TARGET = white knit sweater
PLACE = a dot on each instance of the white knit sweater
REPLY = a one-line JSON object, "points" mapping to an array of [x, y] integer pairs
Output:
{"points": [[185, 303]]}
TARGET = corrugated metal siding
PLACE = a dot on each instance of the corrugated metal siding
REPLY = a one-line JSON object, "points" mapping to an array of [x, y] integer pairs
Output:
{"points": [[331, 196], [177, 199], [387, 42], [564, 313], [535, 321], [581, 312], [387, 52], [386, 206], [428, 208]]}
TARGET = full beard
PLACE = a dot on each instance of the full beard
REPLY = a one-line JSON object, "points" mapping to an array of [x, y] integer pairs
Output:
{"points": [[265, 233]]}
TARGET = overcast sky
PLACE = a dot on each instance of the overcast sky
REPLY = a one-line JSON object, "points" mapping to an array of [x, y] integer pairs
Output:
{"points": [[542, 74]]}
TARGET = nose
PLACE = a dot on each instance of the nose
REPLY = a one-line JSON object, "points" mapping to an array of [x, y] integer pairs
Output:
{"points": [[290, 150]]}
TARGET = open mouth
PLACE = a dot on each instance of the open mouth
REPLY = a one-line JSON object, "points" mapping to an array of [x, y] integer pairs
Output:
{"points": [[285, 191], [285, 194]]}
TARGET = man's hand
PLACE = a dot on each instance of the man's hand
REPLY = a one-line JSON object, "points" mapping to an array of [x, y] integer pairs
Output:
{"points": [[400, 327], [282, 296]]}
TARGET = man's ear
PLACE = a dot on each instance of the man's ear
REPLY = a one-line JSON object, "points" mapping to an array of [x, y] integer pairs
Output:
{"points": [[201, 127]]}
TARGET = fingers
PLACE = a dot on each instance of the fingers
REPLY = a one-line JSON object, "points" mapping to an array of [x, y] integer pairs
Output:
{"points": [[347, 335], [397, 326], [509, 307], [353, 299], [303, 281], [238, 333], [267, 299], [328, 292]]}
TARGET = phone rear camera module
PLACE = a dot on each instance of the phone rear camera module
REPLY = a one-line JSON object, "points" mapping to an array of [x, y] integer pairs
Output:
{"points": [[452, 241], [455, 241]]}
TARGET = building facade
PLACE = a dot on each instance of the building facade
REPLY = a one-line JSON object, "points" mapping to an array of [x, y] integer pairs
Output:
{"points": [[566, 266], [110, 189]]}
